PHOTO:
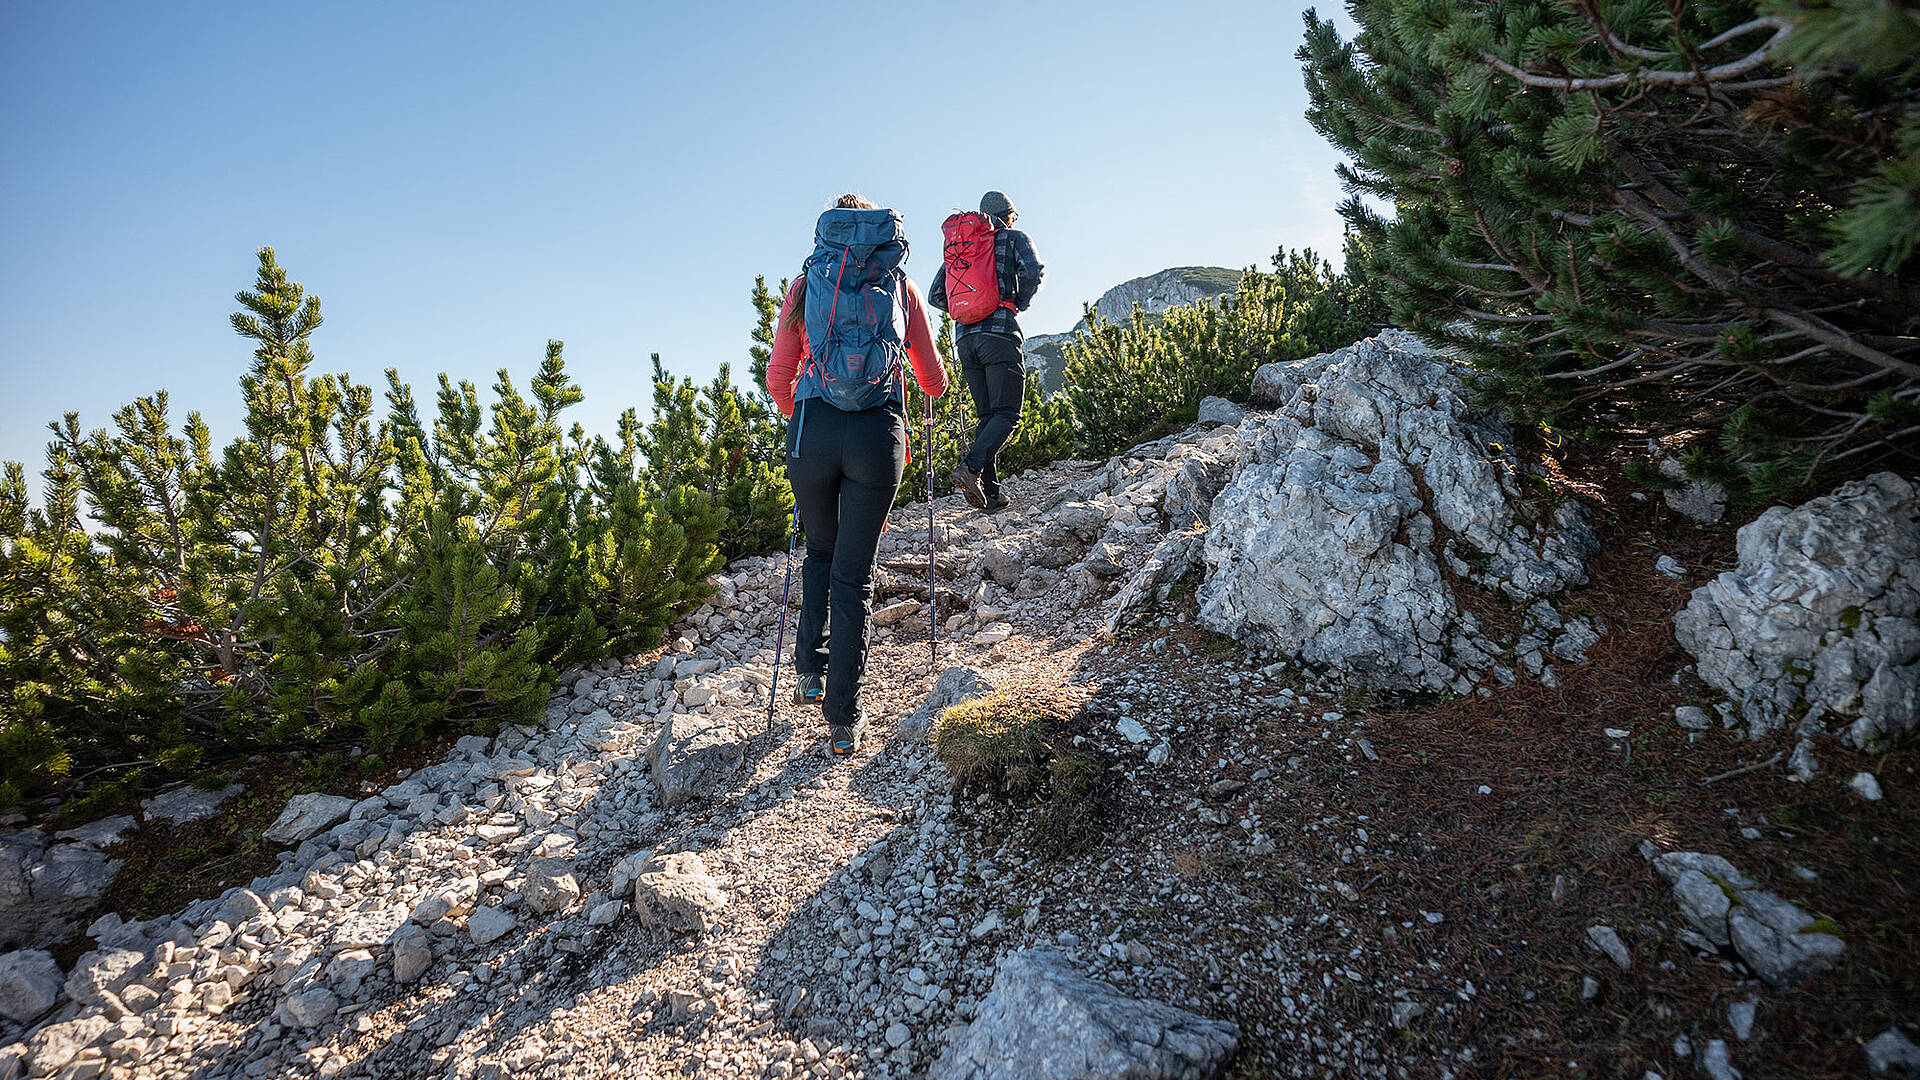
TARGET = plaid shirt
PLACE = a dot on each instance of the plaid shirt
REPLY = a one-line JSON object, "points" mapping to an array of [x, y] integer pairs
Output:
{"points": [[1018, 271]]}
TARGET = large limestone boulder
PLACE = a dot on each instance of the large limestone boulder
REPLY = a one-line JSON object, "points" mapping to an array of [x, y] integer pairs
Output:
{"points": [[1819, 623], [1352, 504], [1044, 1021]]}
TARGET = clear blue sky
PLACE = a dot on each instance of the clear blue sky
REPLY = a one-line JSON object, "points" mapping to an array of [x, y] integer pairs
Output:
{"points": [[461, 182]]}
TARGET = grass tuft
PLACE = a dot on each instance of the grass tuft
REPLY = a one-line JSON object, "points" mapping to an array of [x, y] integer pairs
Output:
{"points": [[1015, 748]]}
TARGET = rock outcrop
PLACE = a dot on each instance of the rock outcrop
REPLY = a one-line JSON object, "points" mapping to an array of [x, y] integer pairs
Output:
{"points": [[48, 890], [1045, 1021], [1819, 624], [1355, 506], [1726, 910]]}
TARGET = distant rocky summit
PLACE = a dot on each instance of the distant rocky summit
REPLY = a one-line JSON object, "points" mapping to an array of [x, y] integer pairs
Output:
{"points": [[1154, 294]]}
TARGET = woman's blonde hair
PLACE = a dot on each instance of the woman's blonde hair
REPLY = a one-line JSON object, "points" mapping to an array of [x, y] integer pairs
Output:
{"points": [[798, 314]]}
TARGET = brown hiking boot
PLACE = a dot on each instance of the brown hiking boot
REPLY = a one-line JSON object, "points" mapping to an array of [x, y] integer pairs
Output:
{"points": [[968, 482], [996, 503]]}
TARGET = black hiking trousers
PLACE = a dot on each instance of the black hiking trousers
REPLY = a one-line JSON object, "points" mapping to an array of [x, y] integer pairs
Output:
{"points": [[997, 378], [845, 468]]}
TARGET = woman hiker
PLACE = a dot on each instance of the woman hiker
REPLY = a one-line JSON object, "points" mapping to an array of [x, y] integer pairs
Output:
{"points": [[850, 324]]}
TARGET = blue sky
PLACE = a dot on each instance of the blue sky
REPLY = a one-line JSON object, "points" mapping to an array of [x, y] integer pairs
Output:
{"points": [[461, 182]]}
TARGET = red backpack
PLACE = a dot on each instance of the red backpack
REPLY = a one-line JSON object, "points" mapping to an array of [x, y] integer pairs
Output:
{"points": [[973, 284]]}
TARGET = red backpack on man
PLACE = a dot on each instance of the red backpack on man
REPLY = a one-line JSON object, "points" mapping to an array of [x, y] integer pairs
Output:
{"points": [[973, 282]]}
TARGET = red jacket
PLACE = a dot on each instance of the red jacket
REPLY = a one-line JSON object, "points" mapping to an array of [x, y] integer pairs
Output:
{"points": [[790, 348]]}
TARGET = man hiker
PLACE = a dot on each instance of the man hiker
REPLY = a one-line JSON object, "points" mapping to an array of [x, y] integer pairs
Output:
{"points": [[988, 275]]}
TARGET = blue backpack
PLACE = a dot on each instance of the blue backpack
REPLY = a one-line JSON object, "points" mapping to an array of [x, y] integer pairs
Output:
{"points": [[856, 309]]}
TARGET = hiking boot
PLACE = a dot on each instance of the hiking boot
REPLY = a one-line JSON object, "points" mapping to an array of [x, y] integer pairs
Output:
{"points": [[844, 739], [996, 502], [968, 482], [811, 691]]}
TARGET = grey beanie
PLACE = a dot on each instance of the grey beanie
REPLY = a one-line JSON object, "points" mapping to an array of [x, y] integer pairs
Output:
{"points": [[996, 204]]}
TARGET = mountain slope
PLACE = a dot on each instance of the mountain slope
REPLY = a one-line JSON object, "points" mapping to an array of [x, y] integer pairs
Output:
{"points": [[1154, 294]]}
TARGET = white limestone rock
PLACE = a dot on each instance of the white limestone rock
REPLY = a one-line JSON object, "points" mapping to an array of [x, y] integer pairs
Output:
{"points": [[188, 803], [955, 685], [412, 954], [307, 816], [29, 984], [675, 893], [1044, 1021], [694, 755], [488, 924], [1373, 479], [1820, 621], [550, 886]]}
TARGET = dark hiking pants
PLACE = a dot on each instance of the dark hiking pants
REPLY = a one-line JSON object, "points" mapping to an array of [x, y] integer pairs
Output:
{"points": [[997, 379], [845, 468]]}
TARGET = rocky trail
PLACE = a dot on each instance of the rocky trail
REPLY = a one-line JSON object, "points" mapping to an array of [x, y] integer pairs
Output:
{"points": [[1387, 779]]}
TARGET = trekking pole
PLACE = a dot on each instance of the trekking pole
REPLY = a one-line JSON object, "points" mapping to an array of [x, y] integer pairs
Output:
{"points": [[780, 638], [933, 597]]}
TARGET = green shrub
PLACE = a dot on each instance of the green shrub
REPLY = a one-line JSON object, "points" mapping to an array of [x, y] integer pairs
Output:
{"points": [[1015, 748], [995, 742], [340, 571]]}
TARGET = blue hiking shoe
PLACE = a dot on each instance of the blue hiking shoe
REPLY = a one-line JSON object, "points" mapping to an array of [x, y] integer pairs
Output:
{"points": [[844, 739], [811, 690]]}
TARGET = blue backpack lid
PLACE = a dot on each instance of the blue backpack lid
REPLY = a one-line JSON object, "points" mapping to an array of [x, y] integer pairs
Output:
{"points": [[863, 233]]}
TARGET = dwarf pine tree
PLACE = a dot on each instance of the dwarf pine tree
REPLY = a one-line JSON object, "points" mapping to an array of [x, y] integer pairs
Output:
{"points": [[335, 573], [1657, 218]]}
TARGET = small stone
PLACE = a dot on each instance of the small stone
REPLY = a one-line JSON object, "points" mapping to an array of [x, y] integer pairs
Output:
{"points": [[1777, 939], [1670, 566], [412, 953], [1589, 988], [1740, 1018], [675, 893], [188, 803], [1801, 764], [1403, 1012], [1016, 1030], [606, 913], [307, 816], [550, 886], [53, 1046], [1891, 1048], [1161, 753], [310, 1008], [488, 924], [1866, 786], [1131, 730], [1607, 941], [898, 1035], [1717, 1062], [1692, 717], [29, 984], [109, 970]]}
